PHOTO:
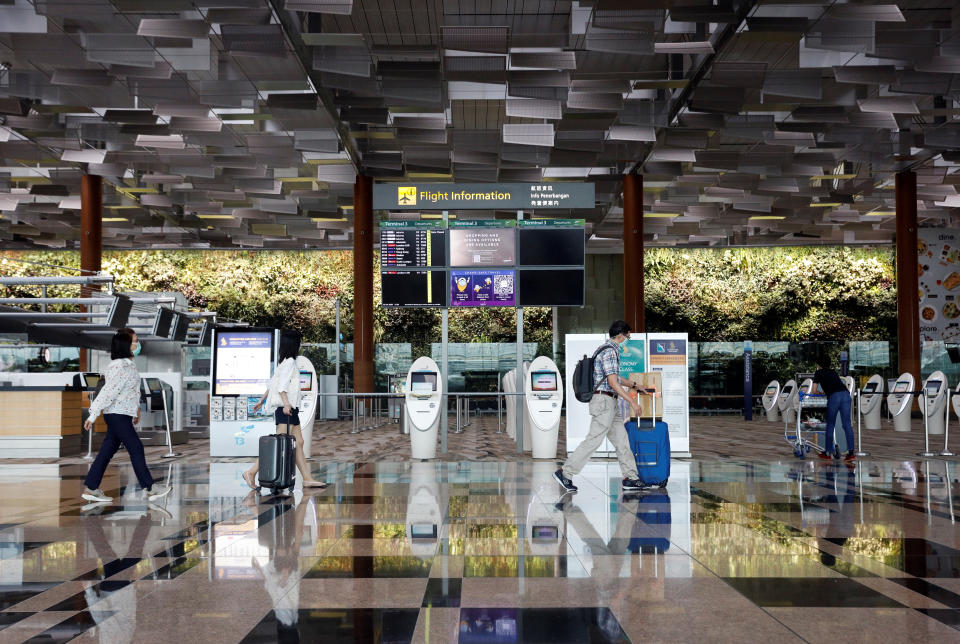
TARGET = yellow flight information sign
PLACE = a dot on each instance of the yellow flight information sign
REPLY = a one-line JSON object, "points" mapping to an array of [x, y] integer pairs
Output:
{"points": [[547, 195], [406, 195]]}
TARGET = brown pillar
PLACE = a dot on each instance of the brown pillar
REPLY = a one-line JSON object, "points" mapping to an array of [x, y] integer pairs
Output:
{"points": [[633, 251], [363, 284], [91, 237], [908, 313]]}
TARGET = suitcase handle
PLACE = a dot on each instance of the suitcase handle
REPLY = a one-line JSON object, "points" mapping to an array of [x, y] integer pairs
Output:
{"points": [[652, 392]]}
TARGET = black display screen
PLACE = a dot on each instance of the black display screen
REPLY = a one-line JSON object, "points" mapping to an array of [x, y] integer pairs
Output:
{"points": [[550, 288], [414, 288], [551, 247], [161, 324], [412, 247]]}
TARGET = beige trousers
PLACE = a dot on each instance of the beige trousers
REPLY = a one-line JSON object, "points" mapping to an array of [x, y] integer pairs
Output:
{"points": [[606, 422]]}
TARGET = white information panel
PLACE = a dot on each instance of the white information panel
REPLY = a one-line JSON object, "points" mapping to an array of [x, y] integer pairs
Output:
{"points": [[667, 354], [243, 362]]}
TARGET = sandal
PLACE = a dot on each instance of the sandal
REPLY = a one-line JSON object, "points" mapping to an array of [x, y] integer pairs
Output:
{"points": [[250, 480]]}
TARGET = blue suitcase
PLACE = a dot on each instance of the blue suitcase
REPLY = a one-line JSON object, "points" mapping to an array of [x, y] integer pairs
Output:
{"points": [[653, 511], [650, 444]]}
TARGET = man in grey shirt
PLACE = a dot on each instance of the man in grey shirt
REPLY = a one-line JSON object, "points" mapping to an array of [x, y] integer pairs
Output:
{"points": [[606, 421]]}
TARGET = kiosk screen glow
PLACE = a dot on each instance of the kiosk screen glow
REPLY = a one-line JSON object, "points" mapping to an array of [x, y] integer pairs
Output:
{"points": [[243, 363], [482, 288]]}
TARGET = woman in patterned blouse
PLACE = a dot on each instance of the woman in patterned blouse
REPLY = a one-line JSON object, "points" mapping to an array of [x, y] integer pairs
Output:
{"points": [[119, 400]]}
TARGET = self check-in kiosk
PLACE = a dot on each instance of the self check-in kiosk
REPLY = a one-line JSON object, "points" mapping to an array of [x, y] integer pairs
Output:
{"points": [[934, 401], [424, 402], [871, 397], [424, 514], [900, 402], [544, 397], [770, 398], [787, 401], [308, 401]]}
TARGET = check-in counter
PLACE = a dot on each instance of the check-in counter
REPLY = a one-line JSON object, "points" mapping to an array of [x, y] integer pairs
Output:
{"points": [[40, 422]]}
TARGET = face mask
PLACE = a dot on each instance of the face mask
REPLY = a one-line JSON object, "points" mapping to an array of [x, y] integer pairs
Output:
{"points": [[136, 351]]}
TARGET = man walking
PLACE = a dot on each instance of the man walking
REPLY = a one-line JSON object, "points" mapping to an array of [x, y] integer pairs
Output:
{"points": [[606, 421]]}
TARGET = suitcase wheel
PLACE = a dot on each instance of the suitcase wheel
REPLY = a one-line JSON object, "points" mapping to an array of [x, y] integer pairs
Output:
{"points": [[798, 452], [663, 485]]}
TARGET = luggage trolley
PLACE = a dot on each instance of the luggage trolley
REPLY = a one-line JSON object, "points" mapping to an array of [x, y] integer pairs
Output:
{"points": [[806, 439]]}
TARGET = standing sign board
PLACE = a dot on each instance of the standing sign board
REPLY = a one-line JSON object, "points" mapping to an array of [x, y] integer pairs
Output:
{"points": [[668, 355], [938, 258]]}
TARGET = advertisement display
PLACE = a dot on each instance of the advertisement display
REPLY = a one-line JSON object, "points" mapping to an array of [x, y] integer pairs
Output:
{"points": [[482, 246], [482, 288], [243, 362], [938, 275], [668, 356]]}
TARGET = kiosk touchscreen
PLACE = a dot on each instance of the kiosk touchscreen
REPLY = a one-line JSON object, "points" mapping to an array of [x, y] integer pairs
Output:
{"points": [[934, 402], [424, 400], [870, 398], [900, 401], [785, 403], [308, 401], [544, 397], [770, 398], [545, 522]]}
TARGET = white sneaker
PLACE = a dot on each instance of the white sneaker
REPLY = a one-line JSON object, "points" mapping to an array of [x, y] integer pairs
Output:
{"points": [[95, 495], [157, 492]]}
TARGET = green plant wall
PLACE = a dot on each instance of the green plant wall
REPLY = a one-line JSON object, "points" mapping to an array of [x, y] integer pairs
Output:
{"points": [[791, 294]]}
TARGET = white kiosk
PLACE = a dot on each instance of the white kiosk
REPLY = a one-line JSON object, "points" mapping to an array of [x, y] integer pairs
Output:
{"points": [[424, 400], [934, 402], [900, 402], [512, 385], [544, 396], [787, 400], [955, 401], [770, 400], [424, 514], [309, 386], [870, 398]]}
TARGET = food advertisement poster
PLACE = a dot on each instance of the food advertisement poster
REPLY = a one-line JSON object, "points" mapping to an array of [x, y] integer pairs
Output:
{"points": [[938, 270], [482, 288]]}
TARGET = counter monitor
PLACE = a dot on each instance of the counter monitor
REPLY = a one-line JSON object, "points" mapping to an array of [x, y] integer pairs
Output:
{"points": [[786, 389], [153, 385], [423, 530], [423, 382], [92, 380], [870, 387], [543, 380], [933, 387], [161, 324], [545, 532], [771, 390], [901, 386]]}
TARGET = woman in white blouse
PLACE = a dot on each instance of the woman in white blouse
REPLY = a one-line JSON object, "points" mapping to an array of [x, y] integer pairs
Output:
{"points": [[119, 401], [285, 387]]}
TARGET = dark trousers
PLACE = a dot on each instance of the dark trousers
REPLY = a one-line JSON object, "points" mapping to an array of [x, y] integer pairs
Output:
{"points": [[120, 430], [839, 402]]}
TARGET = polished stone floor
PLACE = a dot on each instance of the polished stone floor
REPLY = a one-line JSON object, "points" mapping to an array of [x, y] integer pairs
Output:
{"points": [[738, 550]]}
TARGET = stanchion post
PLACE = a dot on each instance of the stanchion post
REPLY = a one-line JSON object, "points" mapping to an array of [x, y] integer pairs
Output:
{"points": [[860, 451], [89, 456], [926, 453], [946, 432], [166, 414]]}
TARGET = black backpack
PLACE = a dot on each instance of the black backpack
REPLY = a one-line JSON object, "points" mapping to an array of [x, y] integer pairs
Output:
{"points": [[583, 384]]}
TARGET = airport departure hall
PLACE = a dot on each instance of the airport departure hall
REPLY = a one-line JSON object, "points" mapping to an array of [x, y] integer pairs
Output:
{"points": [[479, 321]]}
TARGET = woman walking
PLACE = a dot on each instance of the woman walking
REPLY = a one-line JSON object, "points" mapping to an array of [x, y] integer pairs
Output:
{"points": [[283, 394], [119, 400]]}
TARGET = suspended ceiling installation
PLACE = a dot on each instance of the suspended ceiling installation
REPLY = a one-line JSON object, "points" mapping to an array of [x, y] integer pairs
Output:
{"points": [[242, 123]]}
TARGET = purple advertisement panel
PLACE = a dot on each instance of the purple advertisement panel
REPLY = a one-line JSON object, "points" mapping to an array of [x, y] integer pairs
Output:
{"points": [[483, 288]]}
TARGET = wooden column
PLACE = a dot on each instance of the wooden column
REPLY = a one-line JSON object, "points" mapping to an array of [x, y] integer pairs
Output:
{"points": [[91, 237], [908, 313], [633, 251], [363, 284]]}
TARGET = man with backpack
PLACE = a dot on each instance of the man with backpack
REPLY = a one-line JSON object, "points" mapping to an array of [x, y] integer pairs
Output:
{"points": [[606, 421]]}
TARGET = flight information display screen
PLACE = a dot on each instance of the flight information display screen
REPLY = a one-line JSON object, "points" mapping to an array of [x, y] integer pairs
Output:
{"points": [[413, 247], [551, 247], [414, 288], [482, 246], [550, 288]]}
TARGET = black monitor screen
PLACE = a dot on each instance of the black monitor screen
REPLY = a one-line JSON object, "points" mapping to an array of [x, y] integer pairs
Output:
{"points": [[181, 324], [786, 389], [423, 530], [870, 388], [414, 288], [119, 312], [551, 247], [161, 325], [550, 288]]}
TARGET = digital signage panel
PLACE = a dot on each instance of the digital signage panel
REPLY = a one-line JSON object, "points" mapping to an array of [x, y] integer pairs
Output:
{"points": [[551, 288], [413, 288], [483, 288], [412, 247], [243, 363], [551, 247], [482, 246]]}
